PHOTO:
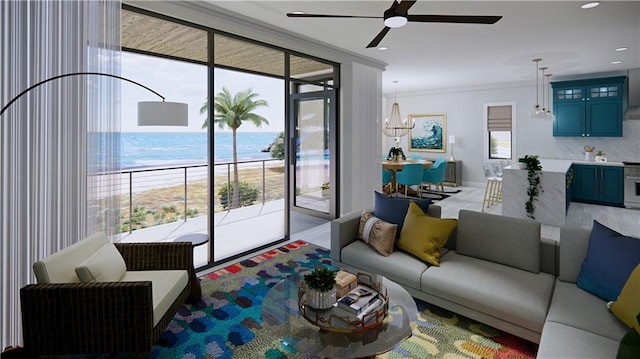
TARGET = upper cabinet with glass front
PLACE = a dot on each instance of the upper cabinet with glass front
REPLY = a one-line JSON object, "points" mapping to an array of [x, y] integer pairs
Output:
{"points": [[589, 108]]}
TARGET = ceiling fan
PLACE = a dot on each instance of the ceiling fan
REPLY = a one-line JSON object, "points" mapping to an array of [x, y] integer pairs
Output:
{"points": [[397, 16]]}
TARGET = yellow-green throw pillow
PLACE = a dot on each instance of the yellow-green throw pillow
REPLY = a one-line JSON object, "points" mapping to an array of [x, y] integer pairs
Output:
{"points": [[627, 306], [424, 236]]}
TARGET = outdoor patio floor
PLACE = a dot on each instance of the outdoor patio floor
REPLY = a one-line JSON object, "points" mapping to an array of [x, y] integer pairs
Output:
{"points": [[235, 231]]}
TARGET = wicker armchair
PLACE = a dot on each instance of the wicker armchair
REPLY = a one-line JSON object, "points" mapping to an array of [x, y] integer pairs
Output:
{"points": [[103, 317]]}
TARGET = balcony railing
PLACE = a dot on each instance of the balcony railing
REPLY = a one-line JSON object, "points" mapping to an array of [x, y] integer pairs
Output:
{"points": [[153, 196]]}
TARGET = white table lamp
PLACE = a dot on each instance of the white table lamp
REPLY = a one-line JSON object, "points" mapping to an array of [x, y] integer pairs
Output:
{"points": [[452, 141]]}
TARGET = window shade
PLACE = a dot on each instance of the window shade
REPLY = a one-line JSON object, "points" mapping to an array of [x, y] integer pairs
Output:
{"points": [[499, 118]]}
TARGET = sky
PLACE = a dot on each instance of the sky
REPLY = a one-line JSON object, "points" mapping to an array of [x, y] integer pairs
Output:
{"points": [[185, 82]]}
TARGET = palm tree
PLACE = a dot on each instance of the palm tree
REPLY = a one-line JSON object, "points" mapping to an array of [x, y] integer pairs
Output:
{"points": [[232, 111]]}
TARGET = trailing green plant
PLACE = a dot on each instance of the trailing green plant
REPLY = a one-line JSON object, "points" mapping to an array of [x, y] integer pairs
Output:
{"points": [[533, 176], [321, 279], [248, 194]]}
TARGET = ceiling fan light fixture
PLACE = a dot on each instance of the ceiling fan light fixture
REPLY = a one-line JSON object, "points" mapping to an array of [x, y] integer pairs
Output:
{"points": [[393, 19]]}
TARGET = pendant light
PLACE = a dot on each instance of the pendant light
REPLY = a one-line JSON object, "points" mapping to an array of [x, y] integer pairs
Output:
{"points": [[537, 112], [549, 115], [544, 105], [396, 127]]}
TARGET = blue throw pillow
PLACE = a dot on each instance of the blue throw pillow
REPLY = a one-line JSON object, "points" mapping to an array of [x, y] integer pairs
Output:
{"points": [[394, 209], [611, 257]]}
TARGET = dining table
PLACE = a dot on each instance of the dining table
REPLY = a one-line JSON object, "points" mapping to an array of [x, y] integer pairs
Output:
{"points": [[396, 166]]}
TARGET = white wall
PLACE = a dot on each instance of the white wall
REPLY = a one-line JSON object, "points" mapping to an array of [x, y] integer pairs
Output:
{"points": [[464, 110]]}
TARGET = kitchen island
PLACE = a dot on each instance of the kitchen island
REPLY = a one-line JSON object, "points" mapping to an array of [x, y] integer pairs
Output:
{"points": [[556, 182], [552, 203]]}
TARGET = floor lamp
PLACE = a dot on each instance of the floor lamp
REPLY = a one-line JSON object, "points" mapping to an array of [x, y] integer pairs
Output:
{"points": [[150, 113]]}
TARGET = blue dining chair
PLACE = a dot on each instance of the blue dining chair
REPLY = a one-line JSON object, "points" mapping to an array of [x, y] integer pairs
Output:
{"points": [[411, 175], [435, 174], [387, 177]]}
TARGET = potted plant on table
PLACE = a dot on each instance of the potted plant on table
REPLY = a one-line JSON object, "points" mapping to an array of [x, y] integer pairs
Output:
{"points": [[321, 288], [395, 153], [533, 168]]}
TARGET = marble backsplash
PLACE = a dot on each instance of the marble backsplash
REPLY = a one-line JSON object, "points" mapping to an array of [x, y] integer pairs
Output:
{"points": [[616, 149]]}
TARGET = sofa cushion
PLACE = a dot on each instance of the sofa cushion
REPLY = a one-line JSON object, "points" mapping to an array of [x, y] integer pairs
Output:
{"points": [[166, 286], [505, 240], [424, 236], [514, 295], [610, 259], [627, 306], [394, 209], [398, 266], [60, 267], [105, 265], [564, 341], [573, 306], [377, 233], [573, 246]]}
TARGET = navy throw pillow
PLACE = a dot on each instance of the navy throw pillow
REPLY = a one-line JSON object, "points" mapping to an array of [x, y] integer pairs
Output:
{"points": [[394, 209], [611, 257]]}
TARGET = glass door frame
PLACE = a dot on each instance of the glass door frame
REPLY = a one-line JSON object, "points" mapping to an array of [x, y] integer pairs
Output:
{"points": [[330, 94]]}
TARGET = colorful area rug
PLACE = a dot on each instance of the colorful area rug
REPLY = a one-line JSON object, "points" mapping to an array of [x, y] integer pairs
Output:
{"points": [[227, 323]]}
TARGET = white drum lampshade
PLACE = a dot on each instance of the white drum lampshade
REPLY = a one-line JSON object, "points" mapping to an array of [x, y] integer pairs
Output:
{"points": [[162, 113]]}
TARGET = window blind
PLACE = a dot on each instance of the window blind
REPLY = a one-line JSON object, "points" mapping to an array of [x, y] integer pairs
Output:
{"points": [[499, 118]]}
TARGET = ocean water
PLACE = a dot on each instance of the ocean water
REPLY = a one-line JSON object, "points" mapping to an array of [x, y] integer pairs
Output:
{"points": [[152, 149]]}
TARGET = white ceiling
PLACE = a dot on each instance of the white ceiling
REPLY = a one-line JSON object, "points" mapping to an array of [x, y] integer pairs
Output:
{"points": [[572, 42]]}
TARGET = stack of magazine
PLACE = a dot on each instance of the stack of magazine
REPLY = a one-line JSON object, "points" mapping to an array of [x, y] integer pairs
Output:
{"points": [[360, 301]]}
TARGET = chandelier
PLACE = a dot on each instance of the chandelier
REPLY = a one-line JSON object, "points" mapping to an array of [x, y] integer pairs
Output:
{"points": [[396, 126]]}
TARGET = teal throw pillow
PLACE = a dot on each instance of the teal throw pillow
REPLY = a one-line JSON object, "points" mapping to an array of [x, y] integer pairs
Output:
{"points": [[394, 209], [611, 257]]}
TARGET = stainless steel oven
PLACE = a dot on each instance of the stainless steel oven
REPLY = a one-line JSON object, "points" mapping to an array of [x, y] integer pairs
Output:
{"points": [[632, 184]]}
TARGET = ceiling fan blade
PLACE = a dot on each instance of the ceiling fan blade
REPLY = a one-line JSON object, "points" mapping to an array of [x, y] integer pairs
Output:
{"points": [[290, 14], [455, 19], [404, 6], [379, 37]]}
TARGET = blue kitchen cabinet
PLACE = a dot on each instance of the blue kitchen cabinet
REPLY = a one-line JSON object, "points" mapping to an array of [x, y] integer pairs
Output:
{"points": [[589, 108], [598, 184]]}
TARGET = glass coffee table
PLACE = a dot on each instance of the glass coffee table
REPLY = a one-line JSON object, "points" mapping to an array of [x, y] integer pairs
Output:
{"points": [[281, 316]]}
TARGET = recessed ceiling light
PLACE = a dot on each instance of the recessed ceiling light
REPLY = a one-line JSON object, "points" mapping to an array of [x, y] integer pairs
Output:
{"points": [[617, 62], [622, 49], [590, 5], [382, 48]]}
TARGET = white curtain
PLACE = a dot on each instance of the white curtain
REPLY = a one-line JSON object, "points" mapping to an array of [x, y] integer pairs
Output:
{"points": [[58, 142]]}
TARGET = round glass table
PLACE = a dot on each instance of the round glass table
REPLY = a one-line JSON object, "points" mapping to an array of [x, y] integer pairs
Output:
{"points": [[280, 315]]}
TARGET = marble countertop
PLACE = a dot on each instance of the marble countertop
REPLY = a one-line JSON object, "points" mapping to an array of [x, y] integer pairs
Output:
{"points": [[562, 166]]}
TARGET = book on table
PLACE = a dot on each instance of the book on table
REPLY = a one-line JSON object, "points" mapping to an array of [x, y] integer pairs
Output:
{"points": [[358, 300]]}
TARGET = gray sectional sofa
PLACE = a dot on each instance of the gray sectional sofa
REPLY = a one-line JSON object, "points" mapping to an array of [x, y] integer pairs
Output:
{"points": [[497, 270]]}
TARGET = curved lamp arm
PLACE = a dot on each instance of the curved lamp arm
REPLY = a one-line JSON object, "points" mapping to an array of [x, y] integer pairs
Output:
{"points": [[73, 74]]}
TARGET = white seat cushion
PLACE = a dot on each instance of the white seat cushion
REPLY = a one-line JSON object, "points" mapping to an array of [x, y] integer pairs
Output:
{"points": [[166, 286]]}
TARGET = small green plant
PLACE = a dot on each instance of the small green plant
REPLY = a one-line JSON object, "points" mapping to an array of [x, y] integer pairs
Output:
{"points": [[533, 176], [396, 152], [600, 153], [321, 279], [325, 186], [248, 194]]}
